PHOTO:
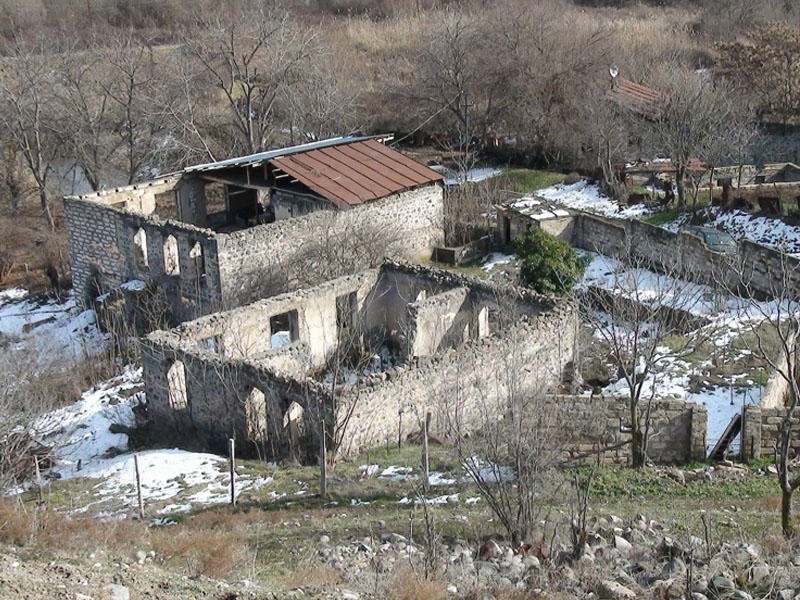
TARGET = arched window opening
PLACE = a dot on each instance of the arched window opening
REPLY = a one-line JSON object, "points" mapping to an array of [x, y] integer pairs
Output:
{"points": [[172, 264], [140, 247], [176, 381], [256, 414]]}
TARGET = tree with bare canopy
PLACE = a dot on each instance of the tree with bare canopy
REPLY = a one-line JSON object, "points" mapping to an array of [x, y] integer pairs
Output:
{"points": [[252, 60], [775, 326], [643, 321], [27, 112]]}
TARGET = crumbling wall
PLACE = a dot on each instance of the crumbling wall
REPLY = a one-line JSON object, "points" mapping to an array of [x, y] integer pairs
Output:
{"points": [[681, 254], [438, 320], [105, 252], [291, 253], [463, 386]]}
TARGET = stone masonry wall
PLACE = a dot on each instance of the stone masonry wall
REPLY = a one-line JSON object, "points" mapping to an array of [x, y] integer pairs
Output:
{"points": [[262, 261], [765, 271], [678, 430], [680, 253], [761, 431], [103, 255]]}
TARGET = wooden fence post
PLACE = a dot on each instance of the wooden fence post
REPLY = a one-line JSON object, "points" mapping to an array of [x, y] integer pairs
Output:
{"points": [[426, 485], [138, 485]]}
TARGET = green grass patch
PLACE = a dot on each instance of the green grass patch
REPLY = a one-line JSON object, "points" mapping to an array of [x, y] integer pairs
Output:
{"points": [[529, 180], [663, 217]]}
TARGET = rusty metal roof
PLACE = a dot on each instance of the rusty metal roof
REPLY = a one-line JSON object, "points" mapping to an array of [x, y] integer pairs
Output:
{"points": [[354, 172], [638, 98]]}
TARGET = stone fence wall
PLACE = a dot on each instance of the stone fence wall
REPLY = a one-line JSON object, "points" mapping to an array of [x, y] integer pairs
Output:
{"points": [[761, 431], [764, 271], [600, 434]]}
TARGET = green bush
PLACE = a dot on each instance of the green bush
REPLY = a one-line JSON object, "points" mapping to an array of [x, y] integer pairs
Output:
{"points": [[548, 265]]}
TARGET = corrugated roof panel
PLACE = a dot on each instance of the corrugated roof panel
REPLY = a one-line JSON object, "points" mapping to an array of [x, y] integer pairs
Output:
{"points": [[261, 157], [326, 184], [370, 165], [373, 184], [421, 172], [353, 172]]}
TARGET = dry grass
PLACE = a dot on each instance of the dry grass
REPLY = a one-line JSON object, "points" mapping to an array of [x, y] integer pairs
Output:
{"points": [[407, 585], [213, 553], [313, 574]]}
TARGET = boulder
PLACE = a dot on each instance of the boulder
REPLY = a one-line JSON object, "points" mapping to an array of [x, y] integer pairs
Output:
{"points": [[611, 590]]}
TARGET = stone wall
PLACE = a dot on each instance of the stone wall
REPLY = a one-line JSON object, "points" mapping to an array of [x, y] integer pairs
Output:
{"points": [[291, 253], [104, 254], [114, 239], [601, 434], [473, 378], [765, 271], [761, 432], [680, 253]]}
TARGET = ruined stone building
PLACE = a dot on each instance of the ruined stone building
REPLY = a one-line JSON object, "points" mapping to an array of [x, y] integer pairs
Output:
{"points": [[223, 234], [368, 354]]}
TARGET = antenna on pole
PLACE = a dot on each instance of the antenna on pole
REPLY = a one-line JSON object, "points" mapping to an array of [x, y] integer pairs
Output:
{"points": [[613, 71]]}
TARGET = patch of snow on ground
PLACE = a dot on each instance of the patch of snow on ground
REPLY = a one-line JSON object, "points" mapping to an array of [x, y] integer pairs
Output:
{"points": [[45, 331], [497, 258], [728, 316], [453, 177], [80, 437], [134, 285], [766, 231], [583, 195]]}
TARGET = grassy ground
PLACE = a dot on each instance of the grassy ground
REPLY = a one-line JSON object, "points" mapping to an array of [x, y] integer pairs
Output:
{"points": [[274, 536], [525, 181]]}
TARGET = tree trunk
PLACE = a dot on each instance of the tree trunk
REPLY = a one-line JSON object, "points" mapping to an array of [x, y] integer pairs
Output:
{"points": [[786, 513], [680, 172], [46, 209], [637, 439]]}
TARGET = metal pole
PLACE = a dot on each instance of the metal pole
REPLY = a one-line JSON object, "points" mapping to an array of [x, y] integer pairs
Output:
{"points": [[232, 465], [425, 458]]}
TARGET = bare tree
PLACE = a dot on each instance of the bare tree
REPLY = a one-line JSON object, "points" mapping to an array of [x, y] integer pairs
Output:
{"points": [[768, 64], [695, 113], [508, 439], [27, 112], [251, 61], [327, 99], [85, 126], [634, 312], [775, 329]]}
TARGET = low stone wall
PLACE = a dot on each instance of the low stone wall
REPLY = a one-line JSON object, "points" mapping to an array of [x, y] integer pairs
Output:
{"points": [[463, 255], [765, 272], [677, 430], [761, 432]]}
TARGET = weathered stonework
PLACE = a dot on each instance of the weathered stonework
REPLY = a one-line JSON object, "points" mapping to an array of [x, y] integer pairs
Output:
{"points": [[116, 237], [761, 432], [464, 363]]}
